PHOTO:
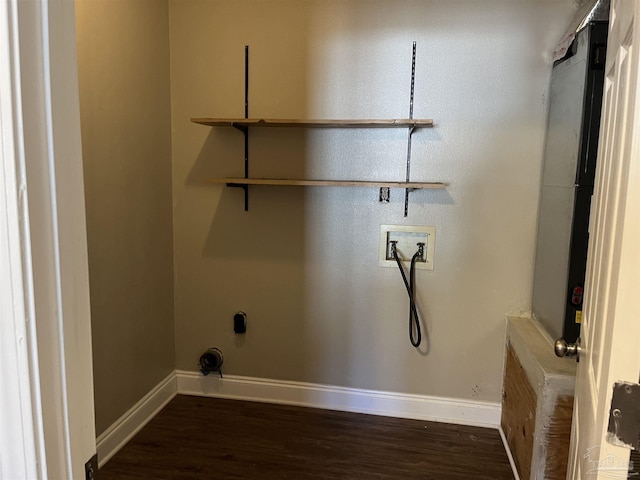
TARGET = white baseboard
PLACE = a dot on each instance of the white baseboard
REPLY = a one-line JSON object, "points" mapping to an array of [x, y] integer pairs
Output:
{"points": [[421, 407], [118, 434], [512, 462]]}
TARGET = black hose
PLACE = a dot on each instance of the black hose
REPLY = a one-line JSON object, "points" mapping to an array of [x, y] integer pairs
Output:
{"points": [[414, 320]]}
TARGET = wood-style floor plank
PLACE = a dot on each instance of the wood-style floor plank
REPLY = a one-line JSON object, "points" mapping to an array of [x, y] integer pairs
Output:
{"points": [[195, 438]]}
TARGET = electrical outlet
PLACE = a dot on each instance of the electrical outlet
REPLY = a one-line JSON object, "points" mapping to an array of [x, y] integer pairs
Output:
{"points": [[407, 238]]}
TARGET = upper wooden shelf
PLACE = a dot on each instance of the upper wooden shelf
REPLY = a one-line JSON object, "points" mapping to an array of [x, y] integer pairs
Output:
{"points": [[266, 122], [324, 183]]}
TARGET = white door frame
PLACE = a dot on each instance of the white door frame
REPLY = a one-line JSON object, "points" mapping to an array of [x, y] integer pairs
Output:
{"points": [[44, 291], [21, 435]]}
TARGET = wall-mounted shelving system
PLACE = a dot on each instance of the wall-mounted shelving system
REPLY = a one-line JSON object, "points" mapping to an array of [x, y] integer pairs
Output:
{"points": [[244, 124]]}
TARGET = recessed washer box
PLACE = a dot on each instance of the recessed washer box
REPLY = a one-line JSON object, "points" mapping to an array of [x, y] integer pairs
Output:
{"points": [[407, 238]]}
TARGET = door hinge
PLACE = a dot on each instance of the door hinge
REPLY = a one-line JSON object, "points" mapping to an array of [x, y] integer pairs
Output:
{"points": [[599, 57], [91, 468], [624, 416]]}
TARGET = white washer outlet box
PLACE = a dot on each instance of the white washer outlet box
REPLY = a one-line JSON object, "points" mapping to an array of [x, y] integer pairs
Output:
{"points": [[407, 238]]}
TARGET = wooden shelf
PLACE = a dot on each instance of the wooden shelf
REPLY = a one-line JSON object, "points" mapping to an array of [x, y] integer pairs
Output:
{"points": [[245, 125], [324, 183], [264, 122]]}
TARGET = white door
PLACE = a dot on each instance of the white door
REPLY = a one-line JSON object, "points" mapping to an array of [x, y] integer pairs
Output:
{"points": [[611, 323]]}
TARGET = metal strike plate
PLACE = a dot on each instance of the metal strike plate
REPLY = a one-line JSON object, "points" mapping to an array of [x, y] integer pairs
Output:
{"points": [[91, 468], [624, 416]]}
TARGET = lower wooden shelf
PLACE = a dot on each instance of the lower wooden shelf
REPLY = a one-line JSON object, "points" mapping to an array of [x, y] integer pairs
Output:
{"points": [[325, 183]]}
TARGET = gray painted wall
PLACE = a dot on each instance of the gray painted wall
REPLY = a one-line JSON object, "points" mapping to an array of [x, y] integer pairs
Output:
{"points": [[123, 60], [303, 262]]}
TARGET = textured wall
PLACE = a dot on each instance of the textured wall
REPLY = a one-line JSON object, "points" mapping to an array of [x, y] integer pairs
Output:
{"points": [[303, 262], [123, 59]]}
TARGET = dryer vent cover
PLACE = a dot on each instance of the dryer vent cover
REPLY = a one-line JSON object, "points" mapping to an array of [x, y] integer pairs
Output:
{"points": [[211, 361]]}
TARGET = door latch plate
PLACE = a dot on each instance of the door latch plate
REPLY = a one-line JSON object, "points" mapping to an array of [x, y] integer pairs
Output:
{"points": [[91, 468], [624, 416]]}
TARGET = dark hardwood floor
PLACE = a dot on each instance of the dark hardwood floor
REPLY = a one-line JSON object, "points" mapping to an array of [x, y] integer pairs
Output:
{"points": [[206, 438]]}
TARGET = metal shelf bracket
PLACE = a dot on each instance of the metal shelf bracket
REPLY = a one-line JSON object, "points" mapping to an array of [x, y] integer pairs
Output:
{"points": [[385, 193], [245, 131], [411, 130]]}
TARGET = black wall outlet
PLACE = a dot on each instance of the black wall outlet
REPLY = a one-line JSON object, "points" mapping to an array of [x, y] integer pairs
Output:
{"points": [[240, 322]]}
